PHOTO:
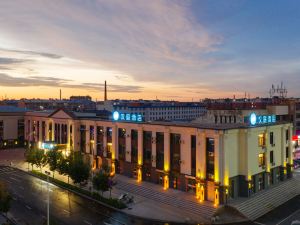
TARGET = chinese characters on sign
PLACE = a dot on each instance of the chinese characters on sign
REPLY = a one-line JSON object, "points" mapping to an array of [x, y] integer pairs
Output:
{"points": [[127, 117], [263, 119]]}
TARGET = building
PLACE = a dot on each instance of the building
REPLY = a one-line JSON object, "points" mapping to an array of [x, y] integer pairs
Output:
{"points": [[215, 161], [11, 126], [153, 110]]}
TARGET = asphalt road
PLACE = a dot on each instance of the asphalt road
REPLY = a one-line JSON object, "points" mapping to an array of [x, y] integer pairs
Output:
{"points": [[29, 205], [286, 214]]}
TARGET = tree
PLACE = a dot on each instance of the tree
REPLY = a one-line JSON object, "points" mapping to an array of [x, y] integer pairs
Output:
{"points": [[40, 158], [5, 198], [79, 171], [63, 165], [53, 158], [101, 182], [30, 157]]}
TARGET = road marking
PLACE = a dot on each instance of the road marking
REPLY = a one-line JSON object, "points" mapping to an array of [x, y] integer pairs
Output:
{"points": [[288, 217], [259, 223], [28, 207], [14, 179], [87, 222], [66, 211]]}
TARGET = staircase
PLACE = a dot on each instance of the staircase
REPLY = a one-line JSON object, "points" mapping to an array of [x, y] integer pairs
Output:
{"points": [[203, 210], [267, 200]]}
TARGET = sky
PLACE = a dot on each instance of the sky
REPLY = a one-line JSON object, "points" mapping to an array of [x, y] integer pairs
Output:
{"points": [[182, 50]]}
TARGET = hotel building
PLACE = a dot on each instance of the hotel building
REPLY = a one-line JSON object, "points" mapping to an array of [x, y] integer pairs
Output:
{"points": [[215, 161]]}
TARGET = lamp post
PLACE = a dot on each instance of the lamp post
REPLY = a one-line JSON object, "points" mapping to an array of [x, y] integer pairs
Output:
{"points": [[48, 200], [92, 146]]}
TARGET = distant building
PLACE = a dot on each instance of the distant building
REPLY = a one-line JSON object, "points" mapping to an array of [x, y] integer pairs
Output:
{"points": [[11, 126], [154, 110]]}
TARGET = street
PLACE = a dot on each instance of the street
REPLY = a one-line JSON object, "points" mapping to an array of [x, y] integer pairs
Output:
{"points": [[30, 202], [286, 214]]}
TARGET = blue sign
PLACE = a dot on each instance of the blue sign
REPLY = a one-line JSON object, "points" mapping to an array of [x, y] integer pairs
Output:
{"points": [[131, 117], [260, 120]]}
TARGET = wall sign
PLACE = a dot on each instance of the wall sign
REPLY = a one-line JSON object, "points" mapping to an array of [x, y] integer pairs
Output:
{"points": [[131, 117], [261, 119]]}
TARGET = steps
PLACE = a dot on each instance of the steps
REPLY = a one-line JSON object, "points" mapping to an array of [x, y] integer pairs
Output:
{"points": [[193, 207], [267, 200]]}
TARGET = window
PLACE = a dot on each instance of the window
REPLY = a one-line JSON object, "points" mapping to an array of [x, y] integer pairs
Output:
{"points": [[1, 130], [287, 135], [287, 152], [261, 140], [271, 138], [261, 159], [271, 157]]}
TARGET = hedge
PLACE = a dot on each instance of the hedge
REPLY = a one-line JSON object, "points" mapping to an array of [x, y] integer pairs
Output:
{"points": [[109, 201]]}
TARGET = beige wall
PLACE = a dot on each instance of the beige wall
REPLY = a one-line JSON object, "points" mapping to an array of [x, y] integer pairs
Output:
{"points": [[10, 124]]}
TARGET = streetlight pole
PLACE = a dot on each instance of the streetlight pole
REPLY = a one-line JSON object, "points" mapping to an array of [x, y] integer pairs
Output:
{"points": [[48, 199], [92, 143]]}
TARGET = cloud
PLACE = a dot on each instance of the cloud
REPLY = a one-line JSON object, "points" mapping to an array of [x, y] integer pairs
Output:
{"points": [[8, 61], [10, 81], [33, 53]]}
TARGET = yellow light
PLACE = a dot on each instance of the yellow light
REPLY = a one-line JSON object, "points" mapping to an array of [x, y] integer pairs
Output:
{"points": [[249, 177], [92, 141], [166, 182], [202, 194], [39, 144], [113, 169], [139, 175], [16, 142], [5, 143], [166, 167], [217, 200], [198, 191], [139, 162]]}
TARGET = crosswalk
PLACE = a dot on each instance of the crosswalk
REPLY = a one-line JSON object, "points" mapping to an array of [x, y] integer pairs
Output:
{"points": [[267, 200], [6, 169], [193, 207]]}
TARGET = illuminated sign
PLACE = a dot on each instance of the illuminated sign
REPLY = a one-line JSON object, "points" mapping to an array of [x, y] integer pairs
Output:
{"points": [[48, 145], [261, 119], [130, 117]]}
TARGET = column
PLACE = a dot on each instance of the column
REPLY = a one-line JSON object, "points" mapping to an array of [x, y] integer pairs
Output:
{"points": [[140, 146], [114, 154], [185, 153], [105, 141], [128, 145], [153, 149], [167, 156], [201, 155], [47, 130]]}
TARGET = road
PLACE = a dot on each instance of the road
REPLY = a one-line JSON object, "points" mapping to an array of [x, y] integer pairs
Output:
{"points": [[30, 202], [286, 214]]}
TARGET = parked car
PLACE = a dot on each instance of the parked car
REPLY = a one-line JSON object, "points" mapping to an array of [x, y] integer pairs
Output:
{"points": [[126, 198]]}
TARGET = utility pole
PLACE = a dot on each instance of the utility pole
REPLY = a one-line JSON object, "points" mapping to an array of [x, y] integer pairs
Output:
{"points": [[48, 198]]}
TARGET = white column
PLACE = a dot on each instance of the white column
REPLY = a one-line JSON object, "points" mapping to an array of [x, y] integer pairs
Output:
{"points": [[167, 162], [115, 153], [185, 153], [140, 146], [201, 154], [105, 141]]}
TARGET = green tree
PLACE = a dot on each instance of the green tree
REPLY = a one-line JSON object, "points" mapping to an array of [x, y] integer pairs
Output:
{"points": [[30, 157], [79, 171], [53, 158], [40, 159], [101, 182], [63, 165], [5, 198]]}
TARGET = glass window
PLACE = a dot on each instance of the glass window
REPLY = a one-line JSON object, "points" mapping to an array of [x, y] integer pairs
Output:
{"points": [[271, 156], [261, 159], [261, 140]]}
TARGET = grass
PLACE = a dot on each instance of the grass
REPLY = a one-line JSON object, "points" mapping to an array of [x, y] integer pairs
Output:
{"points": [[115, 203]]}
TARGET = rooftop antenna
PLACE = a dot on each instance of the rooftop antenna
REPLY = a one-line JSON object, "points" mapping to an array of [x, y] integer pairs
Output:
{"points": [[60, 94]]}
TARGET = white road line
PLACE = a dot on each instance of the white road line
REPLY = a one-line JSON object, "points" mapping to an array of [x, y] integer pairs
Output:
{"points": [[87, 222], [14, 179], [288, 217], [28, 207], [259, 223], [66, 211]]}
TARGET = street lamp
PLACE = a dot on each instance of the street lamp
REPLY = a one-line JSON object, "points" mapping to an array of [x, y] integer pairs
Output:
{"points": [[92, 146], [48, 201]]}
